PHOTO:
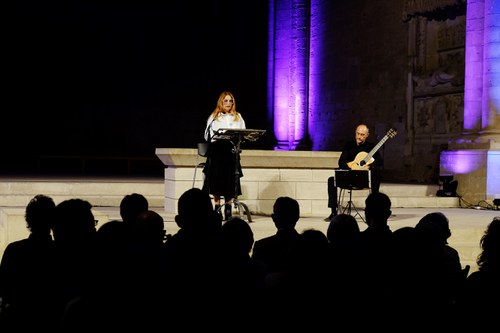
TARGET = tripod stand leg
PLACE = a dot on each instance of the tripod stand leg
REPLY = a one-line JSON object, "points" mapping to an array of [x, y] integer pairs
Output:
{"points": [[350, 206], [242, 207], [361, 217]]}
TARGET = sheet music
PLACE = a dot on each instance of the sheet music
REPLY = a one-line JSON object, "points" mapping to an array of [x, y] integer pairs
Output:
{"points": [[242, 134]]}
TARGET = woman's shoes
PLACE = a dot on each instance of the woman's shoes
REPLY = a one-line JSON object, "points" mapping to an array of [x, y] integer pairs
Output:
{"points": [[329, 218], [218, 210], [227, 212]]}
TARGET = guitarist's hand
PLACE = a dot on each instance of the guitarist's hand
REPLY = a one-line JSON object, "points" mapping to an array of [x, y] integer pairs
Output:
{"points": [[359, 164]]}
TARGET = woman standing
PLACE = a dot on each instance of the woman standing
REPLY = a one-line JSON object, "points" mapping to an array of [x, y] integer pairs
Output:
{"points": [[222, 159]]}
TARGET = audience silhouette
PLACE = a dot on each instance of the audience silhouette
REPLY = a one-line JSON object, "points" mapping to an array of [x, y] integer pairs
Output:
{"points": [[27, 272], [75, 242], [274, 250], [131, 206], [482, 288], [376, 248], [193, 258], [69, 276], [343, 234], [106, 302], [376, 239], [444, 260], [243, 277], [307, 272], [132, 274], [416, 287]]}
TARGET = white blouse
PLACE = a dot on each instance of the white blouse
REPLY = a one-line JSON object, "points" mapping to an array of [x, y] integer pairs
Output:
{"points": [[225, 120]]}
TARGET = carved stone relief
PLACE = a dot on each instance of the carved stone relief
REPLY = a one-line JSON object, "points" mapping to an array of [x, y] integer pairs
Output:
{"points": [[438, 71], [439, 115]]}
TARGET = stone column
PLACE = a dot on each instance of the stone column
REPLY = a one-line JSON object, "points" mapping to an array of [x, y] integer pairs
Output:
{"points": [[290, 72], [474, 157]]}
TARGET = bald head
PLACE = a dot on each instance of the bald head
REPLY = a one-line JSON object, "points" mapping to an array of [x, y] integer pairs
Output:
{"points": [[362, 133]]}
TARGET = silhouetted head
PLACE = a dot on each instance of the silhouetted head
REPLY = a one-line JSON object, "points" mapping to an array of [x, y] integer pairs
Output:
{"points": [[489, 258], [377, 208], [39, 214], [343, 228], [436, 226], [131, 206], [286, 212], [195, 210], [236, 235], [112, 237], [311, 251], [74, 222], [149, 227]]}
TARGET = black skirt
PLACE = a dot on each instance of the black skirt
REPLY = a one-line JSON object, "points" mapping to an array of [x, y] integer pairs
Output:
{"points": [[220, 169]]}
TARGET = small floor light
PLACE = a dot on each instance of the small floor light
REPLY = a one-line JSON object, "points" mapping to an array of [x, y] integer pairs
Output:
{"points": [[449, 186]]}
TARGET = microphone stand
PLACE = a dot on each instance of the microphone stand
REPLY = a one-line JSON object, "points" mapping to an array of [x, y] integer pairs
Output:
{"points": [[236, 136], [237, 204]]}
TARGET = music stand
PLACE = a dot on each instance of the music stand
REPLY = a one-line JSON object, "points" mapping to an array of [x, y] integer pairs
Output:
{"points": [[237, 137], [352, 180]]}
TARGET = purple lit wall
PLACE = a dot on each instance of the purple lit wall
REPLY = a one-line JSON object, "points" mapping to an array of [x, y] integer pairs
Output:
{"points": [[480, 157], [474, 66], [482, 76], [290, 75], [491, 92], [491, 67], [316, 54]]}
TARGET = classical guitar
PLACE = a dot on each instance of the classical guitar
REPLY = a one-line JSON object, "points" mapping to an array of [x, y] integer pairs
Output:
{"points": [[363, 159]]}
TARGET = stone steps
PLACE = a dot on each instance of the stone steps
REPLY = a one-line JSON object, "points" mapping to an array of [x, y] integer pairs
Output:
{"points": [[406, 196], [108, 192]]}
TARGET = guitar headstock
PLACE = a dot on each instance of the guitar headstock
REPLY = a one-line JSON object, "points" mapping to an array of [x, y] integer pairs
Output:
{"points": [[392, 133]]}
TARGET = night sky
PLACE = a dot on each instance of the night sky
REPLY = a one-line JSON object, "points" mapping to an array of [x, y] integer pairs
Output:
{"points": [[127, 77]]}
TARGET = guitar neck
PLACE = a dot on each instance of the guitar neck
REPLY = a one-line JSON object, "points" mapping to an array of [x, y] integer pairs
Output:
{"points": [[375, 149]]}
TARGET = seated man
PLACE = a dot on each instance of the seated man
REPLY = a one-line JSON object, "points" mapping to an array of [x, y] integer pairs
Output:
{"points": [[352, 157]]}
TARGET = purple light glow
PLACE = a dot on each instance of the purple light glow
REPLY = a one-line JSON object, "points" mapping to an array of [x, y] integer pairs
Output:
{"points": [[491, 66], [280, 76], [461, 161], [473, 89], [316, 53], [482, 73]]}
